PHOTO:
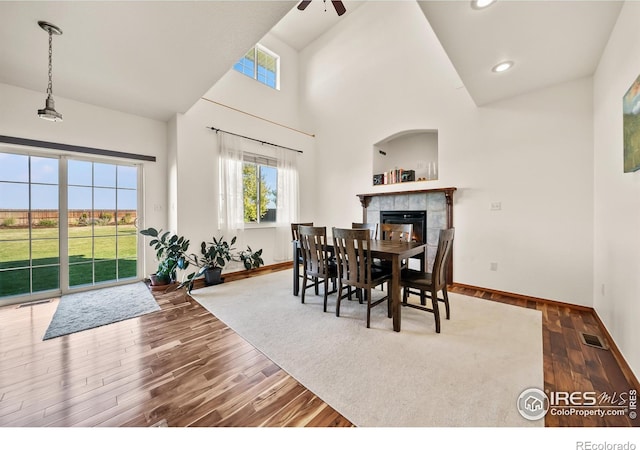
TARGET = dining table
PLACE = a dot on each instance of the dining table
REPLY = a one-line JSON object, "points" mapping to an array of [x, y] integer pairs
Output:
{"points": [[393, 251]]}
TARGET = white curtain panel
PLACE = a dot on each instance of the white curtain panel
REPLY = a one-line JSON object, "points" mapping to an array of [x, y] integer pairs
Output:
{"points": [[230, 205], [288, 203], [231, 208]]}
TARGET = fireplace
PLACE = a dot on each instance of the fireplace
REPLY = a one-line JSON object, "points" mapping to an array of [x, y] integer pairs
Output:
{"points": [[417, 218], [438, 202]]}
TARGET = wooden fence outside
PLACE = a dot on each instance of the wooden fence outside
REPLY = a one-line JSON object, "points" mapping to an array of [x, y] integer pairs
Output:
{"points": [[77, 217]]}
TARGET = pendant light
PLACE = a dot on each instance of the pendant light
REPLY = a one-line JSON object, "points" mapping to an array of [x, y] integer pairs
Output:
{"points": [[49, 112]]}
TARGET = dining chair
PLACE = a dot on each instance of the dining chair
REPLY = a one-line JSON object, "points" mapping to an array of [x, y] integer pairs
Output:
{"points": [[372, 227], [296, 238], [352, 248], [432, 282], [317, 261], [396, 231]]}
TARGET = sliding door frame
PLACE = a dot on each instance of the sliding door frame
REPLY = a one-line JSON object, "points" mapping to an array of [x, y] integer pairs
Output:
{"points": [[63, 217]]}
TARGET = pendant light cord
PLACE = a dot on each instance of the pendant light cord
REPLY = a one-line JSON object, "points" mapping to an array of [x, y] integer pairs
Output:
{"points": [[50, 85]]}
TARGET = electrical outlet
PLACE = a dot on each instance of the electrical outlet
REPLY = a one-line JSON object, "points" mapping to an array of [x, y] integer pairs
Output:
{"points": [[493, 266], [496, 206]]}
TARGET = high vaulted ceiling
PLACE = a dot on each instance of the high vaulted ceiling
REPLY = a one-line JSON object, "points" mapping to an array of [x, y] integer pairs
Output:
{"points": [[549, 41], [156, 58], [149, 58]]}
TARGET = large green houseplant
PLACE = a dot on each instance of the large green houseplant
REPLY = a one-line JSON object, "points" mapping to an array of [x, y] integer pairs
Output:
{"points": [[171, 253], [215, 255]]}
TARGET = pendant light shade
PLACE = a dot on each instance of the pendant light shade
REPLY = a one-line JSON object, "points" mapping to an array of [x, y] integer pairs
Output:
{"points": [[49, 112]]}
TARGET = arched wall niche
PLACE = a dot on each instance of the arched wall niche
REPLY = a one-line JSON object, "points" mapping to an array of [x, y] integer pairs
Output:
{"points": [[409, 155]]}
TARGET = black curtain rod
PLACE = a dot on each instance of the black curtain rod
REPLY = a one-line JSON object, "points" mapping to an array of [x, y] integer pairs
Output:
{"points": [[256, 140]]}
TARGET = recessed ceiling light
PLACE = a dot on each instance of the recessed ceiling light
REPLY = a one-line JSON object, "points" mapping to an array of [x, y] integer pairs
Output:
{"points": [[501, 67], [480, 4]]}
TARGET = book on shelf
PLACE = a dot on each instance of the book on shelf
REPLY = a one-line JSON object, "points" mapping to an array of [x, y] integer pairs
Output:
{"points": [[397, 176]]}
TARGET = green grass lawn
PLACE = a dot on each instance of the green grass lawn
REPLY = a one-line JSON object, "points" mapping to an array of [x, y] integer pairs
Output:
{"points": [[97, 254]]}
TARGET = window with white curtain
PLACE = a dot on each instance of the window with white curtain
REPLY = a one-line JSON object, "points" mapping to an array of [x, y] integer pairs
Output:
{"points": [[258, 185]]}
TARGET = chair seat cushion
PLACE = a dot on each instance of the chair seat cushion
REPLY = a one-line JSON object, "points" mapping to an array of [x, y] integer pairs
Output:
{"points": [[377, 272], [415, 278]]}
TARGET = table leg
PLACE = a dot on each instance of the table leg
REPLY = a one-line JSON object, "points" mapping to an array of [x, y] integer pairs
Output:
{"points": [[394, 291], [296, 269]]}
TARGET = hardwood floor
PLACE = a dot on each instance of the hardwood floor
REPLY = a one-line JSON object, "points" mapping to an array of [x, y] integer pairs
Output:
{"points": [[570, 365], [182, 367]]}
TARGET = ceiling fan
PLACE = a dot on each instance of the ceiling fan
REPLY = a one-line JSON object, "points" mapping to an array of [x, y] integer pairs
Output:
{"points": [[338, 5]]}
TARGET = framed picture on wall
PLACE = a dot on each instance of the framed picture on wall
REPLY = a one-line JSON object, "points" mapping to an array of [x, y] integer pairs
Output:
{"points": [[631, 127]]}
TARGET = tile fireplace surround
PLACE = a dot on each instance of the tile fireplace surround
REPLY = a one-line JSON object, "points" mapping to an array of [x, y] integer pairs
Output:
{"points": [[438, 203]]}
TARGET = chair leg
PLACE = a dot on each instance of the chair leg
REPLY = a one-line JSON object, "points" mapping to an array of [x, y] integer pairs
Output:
{"points": [[436, 310], [405, 295], [326, 288], [339, 297], [368, 295], [304, 288], [446, 301], [316, 281]]}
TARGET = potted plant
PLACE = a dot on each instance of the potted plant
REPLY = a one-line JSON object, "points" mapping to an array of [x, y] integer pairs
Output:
{"points": [[215, 255], [251, 259], [171, 252]]}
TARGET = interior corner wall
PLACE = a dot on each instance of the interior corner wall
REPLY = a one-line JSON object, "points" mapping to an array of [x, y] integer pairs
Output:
{"points": [[382, 71], [92, 126], [617, 206], [246, 107], [172, 172]]}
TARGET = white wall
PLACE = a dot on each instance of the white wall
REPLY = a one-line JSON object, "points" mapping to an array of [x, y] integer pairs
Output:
{"points": [[197, 170], [92, 126], [382, 71], [617, 208]]}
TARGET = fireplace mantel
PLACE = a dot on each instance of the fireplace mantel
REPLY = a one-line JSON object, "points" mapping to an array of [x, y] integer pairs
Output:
{"points": [[365, 199]]}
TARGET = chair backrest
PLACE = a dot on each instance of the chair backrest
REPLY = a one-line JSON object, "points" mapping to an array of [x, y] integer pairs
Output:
{"points": [[372, 227], [353, 256], [396, 232], [294, 229], [443, 254], [313, 245]]}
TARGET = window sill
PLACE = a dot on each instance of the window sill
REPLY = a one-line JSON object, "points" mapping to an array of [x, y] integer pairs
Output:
{"points": [[253, 226]]}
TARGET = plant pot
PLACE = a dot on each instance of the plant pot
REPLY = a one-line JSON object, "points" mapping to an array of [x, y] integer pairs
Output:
{"points": [[158, 281], [212, 276]]}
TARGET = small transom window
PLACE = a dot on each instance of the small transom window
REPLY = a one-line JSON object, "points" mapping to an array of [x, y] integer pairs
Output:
{"points": [[267, 69]]}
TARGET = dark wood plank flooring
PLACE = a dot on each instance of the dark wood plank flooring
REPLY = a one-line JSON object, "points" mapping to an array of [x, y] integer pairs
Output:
{"points": [[569, 365], [182, 367]]}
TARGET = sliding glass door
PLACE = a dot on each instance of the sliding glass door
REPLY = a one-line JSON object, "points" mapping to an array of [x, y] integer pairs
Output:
{"points": [[29, 226], [65, 224], [102, 210]]}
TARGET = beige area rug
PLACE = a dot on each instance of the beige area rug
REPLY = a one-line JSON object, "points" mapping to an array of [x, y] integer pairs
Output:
{"points": [[469, 375]]}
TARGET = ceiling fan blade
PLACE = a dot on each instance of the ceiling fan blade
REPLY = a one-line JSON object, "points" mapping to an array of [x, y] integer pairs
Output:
{"points": [[302, 5], [339, 6]]}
